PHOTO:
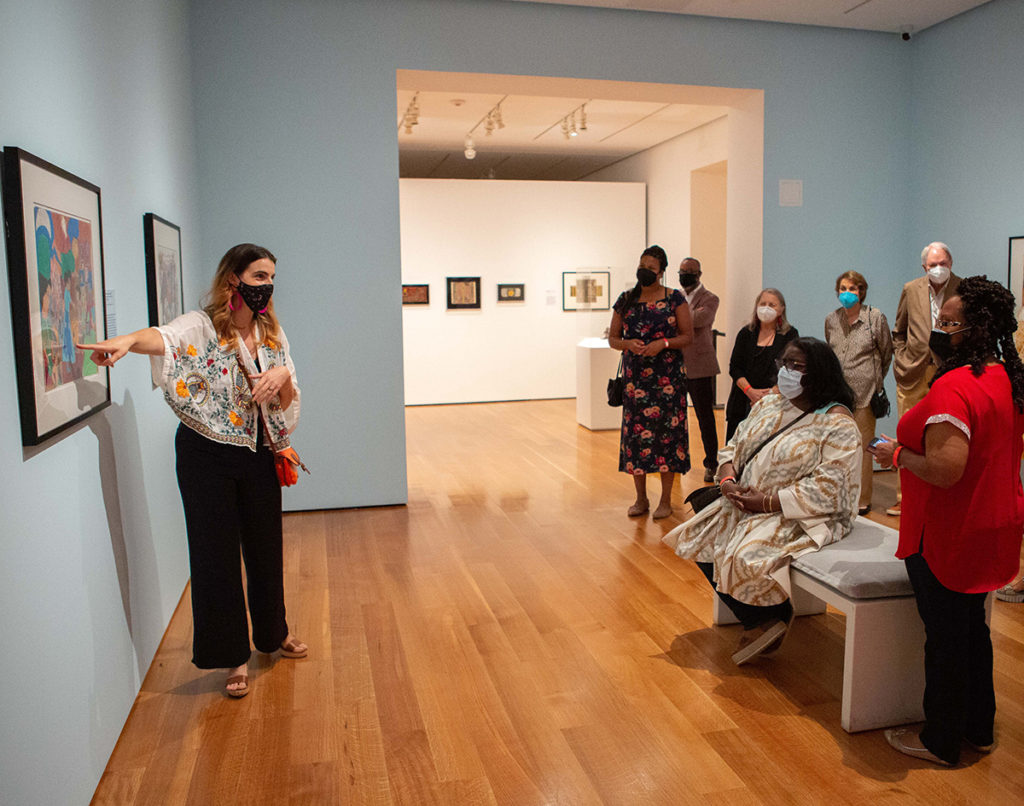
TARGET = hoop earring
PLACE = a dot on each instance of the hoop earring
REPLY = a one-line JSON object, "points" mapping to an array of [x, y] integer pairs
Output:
{"points": [[231, 299]]}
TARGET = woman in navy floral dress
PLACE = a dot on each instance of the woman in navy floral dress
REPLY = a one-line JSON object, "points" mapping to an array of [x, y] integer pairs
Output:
{"points": [[651, 325]]}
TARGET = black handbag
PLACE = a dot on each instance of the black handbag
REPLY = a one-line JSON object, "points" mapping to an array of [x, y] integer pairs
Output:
{"points": [[880, 404], [703, 496], [616, 386]]}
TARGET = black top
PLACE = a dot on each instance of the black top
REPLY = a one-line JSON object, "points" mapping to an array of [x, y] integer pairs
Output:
{"points": [[757, 365]]}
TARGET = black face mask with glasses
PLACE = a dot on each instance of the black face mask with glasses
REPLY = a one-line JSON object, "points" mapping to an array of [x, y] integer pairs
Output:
{"points": [[941, 341]]}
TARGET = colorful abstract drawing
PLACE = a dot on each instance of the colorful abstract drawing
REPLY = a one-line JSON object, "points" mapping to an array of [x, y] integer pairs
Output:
{"points": [[67, 294]]}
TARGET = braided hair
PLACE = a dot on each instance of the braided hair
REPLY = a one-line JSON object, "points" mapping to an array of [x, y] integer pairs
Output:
{"points": [[988, 310], [658, 254]]}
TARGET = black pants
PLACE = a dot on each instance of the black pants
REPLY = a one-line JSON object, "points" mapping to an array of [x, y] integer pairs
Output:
{"points": [[750, 616], [702, 394], [232, 499], [959, 698]]}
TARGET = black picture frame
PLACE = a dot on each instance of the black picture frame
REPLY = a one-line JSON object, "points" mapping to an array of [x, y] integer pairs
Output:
{"points": [[415, 294], [511, 292], [164, 287], [58, 385], [463, 292], [1015, 270]]}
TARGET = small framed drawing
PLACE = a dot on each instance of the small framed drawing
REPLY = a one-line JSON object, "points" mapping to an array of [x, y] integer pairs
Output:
{"points": [[585, 290], [463, 292], [416, 294], [163, 269], [511, 292], [1015, 273], [55, 263]]}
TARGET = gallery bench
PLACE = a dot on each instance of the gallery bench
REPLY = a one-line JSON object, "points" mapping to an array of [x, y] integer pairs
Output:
{"points": [[883, 666]]}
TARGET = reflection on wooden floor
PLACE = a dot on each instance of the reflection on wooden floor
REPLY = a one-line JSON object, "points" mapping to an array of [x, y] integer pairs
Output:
{"points": [[512, 637]]}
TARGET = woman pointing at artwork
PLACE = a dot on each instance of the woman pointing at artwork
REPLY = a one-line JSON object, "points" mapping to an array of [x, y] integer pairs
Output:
{"points": [[225, 371]]}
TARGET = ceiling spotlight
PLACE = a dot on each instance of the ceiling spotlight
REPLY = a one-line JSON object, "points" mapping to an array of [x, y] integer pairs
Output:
{"points": [[489, 124], [565, 127], [497, 116], [572, 126], [470, 150], [583, 118]]}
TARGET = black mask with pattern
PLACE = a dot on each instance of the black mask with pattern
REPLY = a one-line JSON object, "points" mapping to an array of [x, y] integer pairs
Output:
{"points": [[257, 297]]}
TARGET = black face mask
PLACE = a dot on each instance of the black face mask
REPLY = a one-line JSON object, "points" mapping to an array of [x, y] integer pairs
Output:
{"points": [[687, 280], [941, 343], [257, 297], [646, 276]]}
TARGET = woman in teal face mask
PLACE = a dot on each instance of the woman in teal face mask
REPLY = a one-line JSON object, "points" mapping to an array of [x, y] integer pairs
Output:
{"points": [[860, 337]]}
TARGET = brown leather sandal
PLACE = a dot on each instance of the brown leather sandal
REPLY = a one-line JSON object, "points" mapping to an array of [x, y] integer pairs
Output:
{"points": [[290, 649], [237, 692]]}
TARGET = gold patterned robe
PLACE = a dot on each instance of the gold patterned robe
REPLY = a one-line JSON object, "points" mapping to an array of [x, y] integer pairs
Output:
{"points": [[813, 466]]}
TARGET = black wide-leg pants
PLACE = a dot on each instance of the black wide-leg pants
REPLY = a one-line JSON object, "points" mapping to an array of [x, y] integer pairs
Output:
{"points": [[232, 500], [959, 696]]}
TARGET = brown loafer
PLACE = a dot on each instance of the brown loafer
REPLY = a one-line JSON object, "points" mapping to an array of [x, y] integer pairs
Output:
{"points": [[638, 509]]}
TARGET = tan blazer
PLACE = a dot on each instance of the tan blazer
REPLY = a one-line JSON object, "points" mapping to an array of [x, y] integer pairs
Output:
{"points": [[699, 359], [913, 328]]}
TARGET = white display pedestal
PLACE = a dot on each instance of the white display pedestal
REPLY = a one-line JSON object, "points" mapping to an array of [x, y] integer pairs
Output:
{"points": [[596, 364]]}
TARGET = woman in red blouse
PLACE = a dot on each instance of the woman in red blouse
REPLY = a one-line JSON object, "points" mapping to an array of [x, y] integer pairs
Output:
{"points": [[959, 453]]}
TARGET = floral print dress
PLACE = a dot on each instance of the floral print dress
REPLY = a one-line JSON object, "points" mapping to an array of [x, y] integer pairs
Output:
{"points": [[654, 437]]}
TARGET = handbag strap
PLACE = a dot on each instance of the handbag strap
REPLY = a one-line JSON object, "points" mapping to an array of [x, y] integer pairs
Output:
{"points": [[259, 408], [876, 359], [790, 424]]}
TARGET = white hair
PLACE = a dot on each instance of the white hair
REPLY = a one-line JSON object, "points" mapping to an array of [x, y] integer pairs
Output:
{"points": [[935, 245]]}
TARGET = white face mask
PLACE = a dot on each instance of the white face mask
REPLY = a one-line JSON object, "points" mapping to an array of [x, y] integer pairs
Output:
{"points": [[938, 274], [790, 383], [766, 313]]}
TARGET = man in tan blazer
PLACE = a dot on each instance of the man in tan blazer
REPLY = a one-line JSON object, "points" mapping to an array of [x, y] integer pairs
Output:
{"points": [[700, 361], [914, 364]]}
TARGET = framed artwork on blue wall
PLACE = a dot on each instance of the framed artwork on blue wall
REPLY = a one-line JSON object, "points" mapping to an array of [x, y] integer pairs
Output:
{"points": [[163, 269], [55, 266], [1015, 271]]}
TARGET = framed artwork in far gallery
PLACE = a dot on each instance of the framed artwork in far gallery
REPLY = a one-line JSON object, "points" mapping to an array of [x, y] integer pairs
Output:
{"points": [[1015, 272], [463, 292], [163, 269], [416, 294], [55, 267], [585, 290], [511, 292]]}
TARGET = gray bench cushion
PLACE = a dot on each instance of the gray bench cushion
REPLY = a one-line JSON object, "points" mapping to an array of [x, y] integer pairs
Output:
{"points": [[860, 566]]}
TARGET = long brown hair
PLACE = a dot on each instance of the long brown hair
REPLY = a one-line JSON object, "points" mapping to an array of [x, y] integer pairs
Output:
{"points": [[235, 261]]}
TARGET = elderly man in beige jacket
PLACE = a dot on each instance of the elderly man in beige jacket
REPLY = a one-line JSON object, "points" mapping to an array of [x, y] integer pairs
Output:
{"points": [[914, 363]]}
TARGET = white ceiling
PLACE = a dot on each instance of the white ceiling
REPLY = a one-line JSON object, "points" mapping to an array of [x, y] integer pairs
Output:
{"points": [[622, 119], [895, 16]]}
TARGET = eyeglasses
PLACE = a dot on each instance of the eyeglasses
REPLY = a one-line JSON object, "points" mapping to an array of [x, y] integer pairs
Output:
{"points": [[949, 323], [791, 364]]}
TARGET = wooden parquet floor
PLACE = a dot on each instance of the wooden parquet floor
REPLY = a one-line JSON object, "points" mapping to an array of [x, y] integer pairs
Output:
{"points": [[511, 637]]}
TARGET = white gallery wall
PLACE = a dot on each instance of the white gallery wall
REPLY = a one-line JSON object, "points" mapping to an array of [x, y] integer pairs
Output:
{"points": [[509, 232], [686, 187]]}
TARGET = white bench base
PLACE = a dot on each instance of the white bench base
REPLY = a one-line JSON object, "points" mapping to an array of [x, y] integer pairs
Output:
{"points": [[883, 664]]}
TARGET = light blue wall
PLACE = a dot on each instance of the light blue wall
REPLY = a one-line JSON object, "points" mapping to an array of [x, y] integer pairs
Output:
{"points": [[295, 146], [92, 551], [967, 105], [298, 148]]}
